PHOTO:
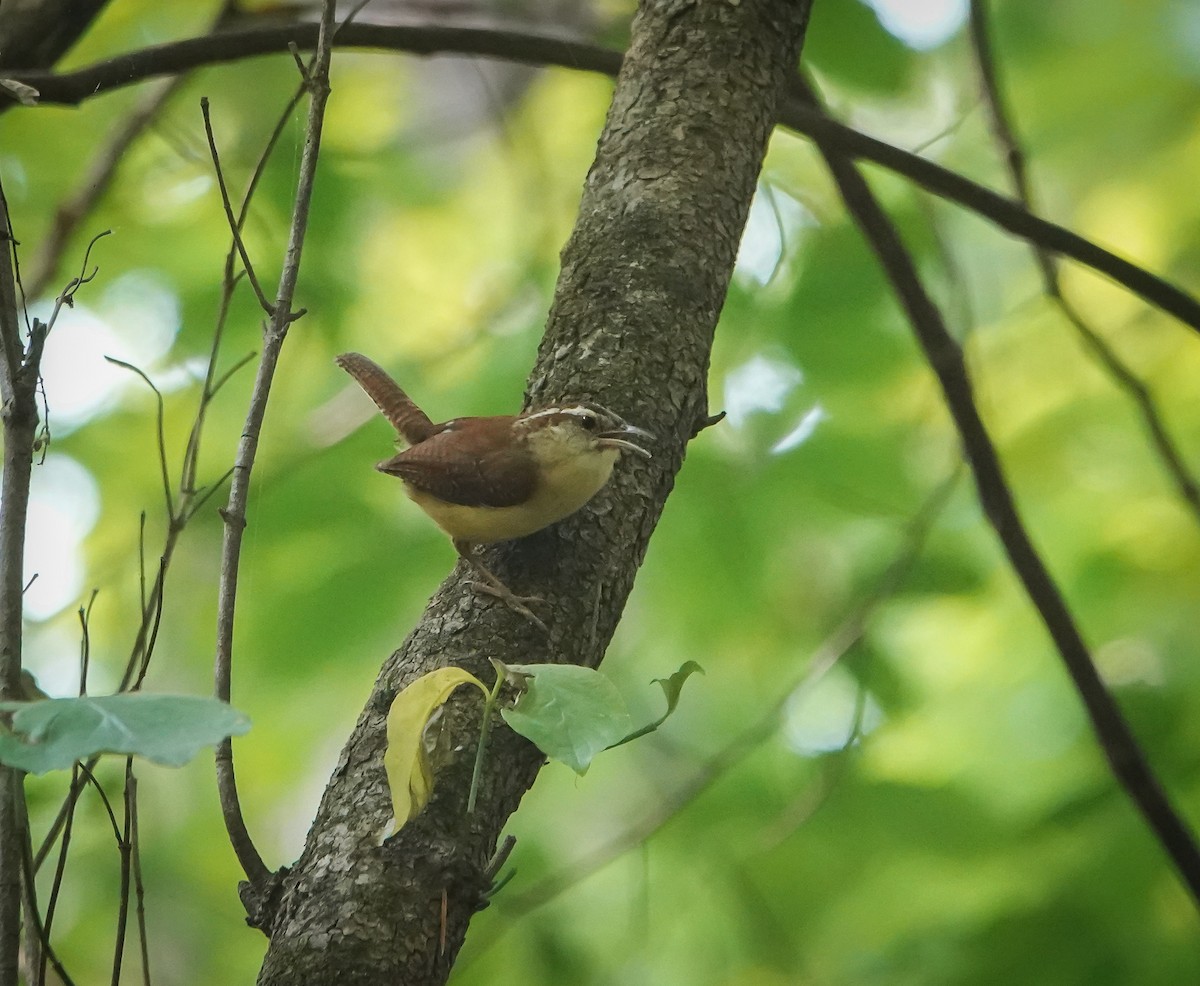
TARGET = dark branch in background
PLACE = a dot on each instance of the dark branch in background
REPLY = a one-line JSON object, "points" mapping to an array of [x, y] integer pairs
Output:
{"points": [[71, 213], [804, 117], [796, 112], [945, 357], [234, 513], [72, 88], [1124, 377], [37, 32], [514, 907]]}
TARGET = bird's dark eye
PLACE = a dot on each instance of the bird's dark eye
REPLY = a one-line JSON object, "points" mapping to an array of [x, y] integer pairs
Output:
{"points": [[588, 421]]}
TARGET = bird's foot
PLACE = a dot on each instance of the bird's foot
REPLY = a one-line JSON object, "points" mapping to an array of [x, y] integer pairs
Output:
{"points": [[512, 600]]}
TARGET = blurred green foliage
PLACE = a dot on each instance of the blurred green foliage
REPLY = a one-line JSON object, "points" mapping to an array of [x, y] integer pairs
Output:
{"points": [[936, 809]]}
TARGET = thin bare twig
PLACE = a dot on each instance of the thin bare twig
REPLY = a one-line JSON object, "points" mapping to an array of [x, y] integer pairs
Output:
{"points": [[155, 623], [60, 868], [92, 779], [160, 417], [66, 297], [212, 383], [139, 888], [142, 562], [85, 641], [124, 842], [1135, 388], [234, 512], [1125, 757], [234, 225], [39, 951]]}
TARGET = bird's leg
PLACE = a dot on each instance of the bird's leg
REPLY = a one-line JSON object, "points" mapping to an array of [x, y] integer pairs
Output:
{"points": [[491, 585]]}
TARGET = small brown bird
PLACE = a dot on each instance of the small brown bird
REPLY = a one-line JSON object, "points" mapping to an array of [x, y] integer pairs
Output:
{"points": [[492, 479]]}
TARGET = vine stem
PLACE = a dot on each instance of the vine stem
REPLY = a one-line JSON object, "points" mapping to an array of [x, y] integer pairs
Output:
{"points": [[485, 731]]}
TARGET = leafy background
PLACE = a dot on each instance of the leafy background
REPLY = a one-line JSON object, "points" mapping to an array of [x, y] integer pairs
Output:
{"points": [[934, 809]]}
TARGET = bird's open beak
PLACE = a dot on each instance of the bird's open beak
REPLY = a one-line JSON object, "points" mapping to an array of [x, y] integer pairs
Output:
{"points": [[619, 438]]}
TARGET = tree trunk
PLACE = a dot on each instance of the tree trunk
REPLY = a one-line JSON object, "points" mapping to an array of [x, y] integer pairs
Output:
{"points": [[643, 280]]}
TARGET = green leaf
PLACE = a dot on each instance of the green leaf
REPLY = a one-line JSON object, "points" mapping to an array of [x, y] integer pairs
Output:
{"points": [[168, 729], [406, 761], [571, 713], [671, 687]]}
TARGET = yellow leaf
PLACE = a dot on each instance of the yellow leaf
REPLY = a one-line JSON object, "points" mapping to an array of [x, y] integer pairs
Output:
{"points": [[408, 772]]}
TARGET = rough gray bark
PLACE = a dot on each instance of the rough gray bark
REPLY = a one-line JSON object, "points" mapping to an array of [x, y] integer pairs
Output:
{"points": [[643, 280]]}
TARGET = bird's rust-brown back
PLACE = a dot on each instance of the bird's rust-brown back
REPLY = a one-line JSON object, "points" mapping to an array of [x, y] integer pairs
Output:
{"points": [[468, 461], [410, 421]]}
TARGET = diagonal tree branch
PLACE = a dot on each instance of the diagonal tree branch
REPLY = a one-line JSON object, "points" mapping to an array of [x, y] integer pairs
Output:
{"points": [[801, 113], [1124, 377], [1125, 757]]}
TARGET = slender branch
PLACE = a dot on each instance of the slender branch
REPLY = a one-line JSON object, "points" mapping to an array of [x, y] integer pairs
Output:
{"points": [[38, 950], [123, 844], [60, 867], [234, 224], [1124, 377], [91, 778], [85, 637], [161, 433], [66, 297], [1125, 757], [234, 512], [139, 888], [148, 652], [797, 111]]}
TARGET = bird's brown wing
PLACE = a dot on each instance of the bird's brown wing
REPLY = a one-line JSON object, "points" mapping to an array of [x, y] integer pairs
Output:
{"points": [[468, 461]]}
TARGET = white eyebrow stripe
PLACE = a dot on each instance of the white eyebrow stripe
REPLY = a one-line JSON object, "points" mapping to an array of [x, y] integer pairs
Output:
{"points": [[574, 410]]}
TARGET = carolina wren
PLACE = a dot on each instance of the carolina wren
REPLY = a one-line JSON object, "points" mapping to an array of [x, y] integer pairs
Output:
{"points": [[497, 478]]}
